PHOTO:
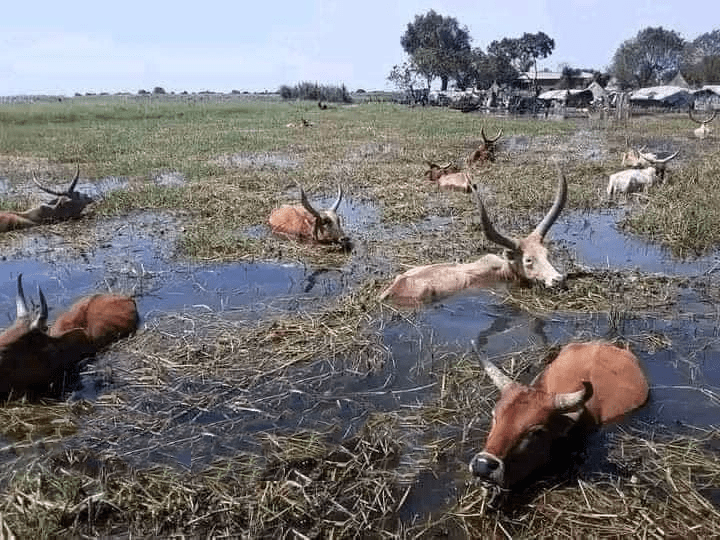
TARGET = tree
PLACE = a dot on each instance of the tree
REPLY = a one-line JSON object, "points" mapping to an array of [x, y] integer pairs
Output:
{"points": [[492, 68], [404, 76], [534, 46], [438, 47], [701, 59], [650, 58]]}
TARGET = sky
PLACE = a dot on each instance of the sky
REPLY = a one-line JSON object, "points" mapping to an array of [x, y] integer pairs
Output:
{"points": [[63, 48]]}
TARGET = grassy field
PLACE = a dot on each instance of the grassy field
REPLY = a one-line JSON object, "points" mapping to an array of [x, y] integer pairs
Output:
{"points": [[66, 467]]}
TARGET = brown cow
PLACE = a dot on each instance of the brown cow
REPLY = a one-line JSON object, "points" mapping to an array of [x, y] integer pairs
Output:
{"points": [[525, 260], [449, 177], [32, 357], [305, 223], [67, 204], [486, 151], [588, 384]]}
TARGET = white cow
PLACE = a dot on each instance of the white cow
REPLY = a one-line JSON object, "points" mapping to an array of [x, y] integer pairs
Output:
{"points": [[632, 180]]}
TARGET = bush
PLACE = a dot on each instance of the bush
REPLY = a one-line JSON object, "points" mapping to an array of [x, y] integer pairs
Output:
{"points": [[316, 92]]}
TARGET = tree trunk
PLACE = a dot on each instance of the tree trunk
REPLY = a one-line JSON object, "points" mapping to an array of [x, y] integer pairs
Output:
{"points": [[443, 83]]}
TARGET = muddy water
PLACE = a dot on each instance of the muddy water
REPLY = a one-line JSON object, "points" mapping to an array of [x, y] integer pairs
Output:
{"points": [[684, 368]]}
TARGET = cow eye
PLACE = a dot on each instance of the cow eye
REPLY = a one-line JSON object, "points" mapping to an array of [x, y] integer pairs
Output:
{"points": [[528, 261]]}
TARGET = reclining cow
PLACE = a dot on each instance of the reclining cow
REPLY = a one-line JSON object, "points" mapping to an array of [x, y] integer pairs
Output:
{"points": [[632, 180], [68, 204], [304, 223], [587, 385], [704, 130], [33, 357], [449, 177], [486, 151], [524, 261]]}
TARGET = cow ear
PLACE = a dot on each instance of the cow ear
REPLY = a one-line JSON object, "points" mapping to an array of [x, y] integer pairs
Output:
{"points": [[573, 401]]}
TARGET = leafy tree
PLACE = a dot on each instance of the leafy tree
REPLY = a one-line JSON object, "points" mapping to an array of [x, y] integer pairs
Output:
{"points": [[652, 57], [438, 47], [701, 59], [490, 68], [534, 46], [404, 76]]}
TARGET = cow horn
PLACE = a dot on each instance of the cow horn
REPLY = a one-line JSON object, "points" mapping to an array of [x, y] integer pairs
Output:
{"points": [[498, 377], [41, 320], [554, 212], [701, 122], [336, 204], [488, 228], [67, 193], [75, 180], [652, 159], [22, 307], [573, 400], [307, 205], [486, 140]]}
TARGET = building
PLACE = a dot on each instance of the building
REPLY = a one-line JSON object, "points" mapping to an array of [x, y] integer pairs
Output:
{"points": [[552, 80]]}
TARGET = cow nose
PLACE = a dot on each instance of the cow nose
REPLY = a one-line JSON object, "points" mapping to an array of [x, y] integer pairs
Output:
{"points": [[483, 466]]}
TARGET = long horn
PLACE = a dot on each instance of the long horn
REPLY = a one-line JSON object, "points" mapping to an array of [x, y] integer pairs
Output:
{"points": [[48, 190], [651, 159], [488, 228], [572, 400], [41, 320], [499, 134], [554, 212], [75, 180], [335, 205], [498, 377], [701, 122], [22, 307], [307, 205]]}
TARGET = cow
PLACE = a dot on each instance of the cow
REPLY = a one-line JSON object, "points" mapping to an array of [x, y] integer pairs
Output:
{"points": [[524, 261], [632, 180], [484, 152], [304, 223], [68, 204], [632, 157], [449, 177], [704, 130], [33, 357], [589, 384]]}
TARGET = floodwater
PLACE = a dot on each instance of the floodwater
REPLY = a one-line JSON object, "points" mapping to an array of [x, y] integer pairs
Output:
{"points": [[684, 373]]}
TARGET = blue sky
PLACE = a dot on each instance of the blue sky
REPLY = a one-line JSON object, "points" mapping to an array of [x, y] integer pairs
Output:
{"points": [[82, 46]]}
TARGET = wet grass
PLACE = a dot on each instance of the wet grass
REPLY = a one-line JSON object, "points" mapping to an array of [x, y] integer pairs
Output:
{"points": [[209, 425]]}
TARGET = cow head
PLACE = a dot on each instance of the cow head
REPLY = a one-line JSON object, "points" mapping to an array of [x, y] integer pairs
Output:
{"points": [[29, 358], [68, 203], [704, 130], [486, 151], [525, 420], [658, 164], [436, 171], [528, 257], [327, 228]]}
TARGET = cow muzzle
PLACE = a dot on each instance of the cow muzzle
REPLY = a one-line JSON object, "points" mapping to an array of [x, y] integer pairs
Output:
{"points": [[487, 469]]}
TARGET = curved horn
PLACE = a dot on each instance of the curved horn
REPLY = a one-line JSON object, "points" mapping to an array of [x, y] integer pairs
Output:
{"points": [[22, 307], [74, 181], [572, 400], [41, 320], [335, 205], [488, 228], [499, 134], [652, 159], [554, 212], [307, 205], [498, 377], [48, 190], [701, 122]]}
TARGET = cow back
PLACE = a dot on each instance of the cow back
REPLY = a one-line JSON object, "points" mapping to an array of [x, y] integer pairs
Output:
{"points": [[619, 384], [292, 222], [103, 318]]}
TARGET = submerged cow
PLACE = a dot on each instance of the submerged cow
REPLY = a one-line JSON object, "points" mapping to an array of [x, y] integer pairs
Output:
{"points": [[68, 204], [486, 151], [33, 356], [588, 384], [303, 222], [449, 177], [632, 180], [524, 260]]}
